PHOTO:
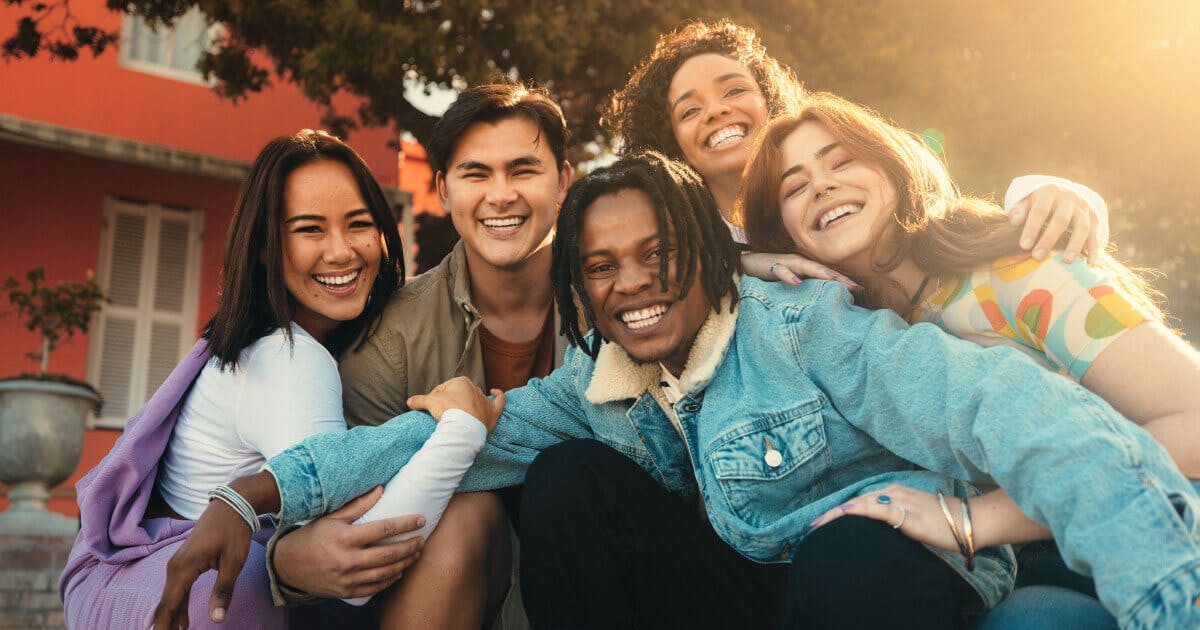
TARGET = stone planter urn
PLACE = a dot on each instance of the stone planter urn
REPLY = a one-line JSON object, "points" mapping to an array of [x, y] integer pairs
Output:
{"points": [[41, 438]]}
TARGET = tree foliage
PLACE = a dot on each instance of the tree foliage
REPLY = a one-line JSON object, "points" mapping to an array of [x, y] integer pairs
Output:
{"points": [[1103, 93]]}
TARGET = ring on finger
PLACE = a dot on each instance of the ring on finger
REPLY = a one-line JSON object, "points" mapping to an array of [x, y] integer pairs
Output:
{"points": [[883, 499], [771, 269], [903, 516]]}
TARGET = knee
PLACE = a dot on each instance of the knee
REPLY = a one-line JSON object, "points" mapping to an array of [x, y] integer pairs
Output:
{"points": [[469, 533]]}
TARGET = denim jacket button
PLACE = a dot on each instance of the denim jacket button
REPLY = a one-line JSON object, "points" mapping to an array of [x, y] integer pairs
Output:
{"points": [[691, 407], [773, 458]]}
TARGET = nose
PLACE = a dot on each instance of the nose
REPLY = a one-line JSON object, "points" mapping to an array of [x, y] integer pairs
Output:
{"points": [[338, 249], [501, 193], [824, 184], [633, 279], [717, 110]]}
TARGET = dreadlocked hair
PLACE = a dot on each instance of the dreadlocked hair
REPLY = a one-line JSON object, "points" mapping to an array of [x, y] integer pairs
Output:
{"points": [[682, 205]]}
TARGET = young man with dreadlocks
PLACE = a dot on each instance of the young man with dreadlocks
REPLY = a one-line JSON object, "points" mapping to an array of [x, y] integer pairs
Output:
{"points": [[676, 463]]}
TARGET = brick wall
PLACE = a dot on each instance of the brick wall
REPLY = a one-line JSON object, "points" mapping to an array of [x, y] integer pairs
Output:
{"points": [[29, 568]]}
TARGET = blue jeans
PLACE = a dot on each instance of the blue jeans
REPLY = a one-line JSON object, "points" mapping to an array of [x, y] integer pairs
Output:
{"points": [[1047, 608]]}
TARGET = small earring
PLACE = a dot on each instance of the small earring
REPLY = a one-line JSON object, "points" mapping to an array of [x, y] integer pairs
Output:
{"points": [[384, 247]]}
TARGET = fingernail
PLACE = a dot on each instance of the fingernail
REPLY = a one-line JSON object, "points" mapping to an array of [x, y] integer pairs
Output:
{"points": [[1068, 258], [847, 505], [853, 284], [795, 280], [1026, 243], [420, 521], [218, 615], [1039, 254], [815, 524], [832, 275]]}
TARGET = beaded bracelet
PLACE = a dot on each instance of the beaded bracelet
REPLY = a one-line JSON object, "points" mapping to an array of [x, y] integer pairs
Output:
{"points": [[230, 497]]}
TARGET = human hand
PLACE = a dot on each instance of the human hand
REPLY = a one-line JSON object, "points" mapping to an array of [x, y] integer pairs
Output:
{"points": [[460, 393], [790, 268], [332, 557], [1052, 210], [918, 513], [220, 539]]}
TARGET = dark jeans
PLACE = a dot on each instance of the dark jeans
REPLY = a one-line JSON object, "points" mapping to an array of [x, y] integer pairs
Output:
{"points": [[604, 546]]}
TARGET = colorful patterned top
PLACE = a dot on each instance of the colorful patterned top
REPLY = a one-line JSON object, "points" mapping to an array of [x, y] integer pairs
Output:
{"points": [[1063, 315]]}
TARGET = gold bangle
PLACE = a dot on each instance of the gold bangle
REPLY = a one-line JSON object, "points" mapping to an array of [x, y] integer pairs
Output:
{"points": [[969, 534], [962, 545]]}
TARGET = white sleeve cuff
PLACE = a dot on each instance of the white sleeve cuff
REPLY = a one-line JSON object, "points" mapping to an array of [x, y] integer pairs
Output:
{"points": [[476, 432], [1024, 186]]}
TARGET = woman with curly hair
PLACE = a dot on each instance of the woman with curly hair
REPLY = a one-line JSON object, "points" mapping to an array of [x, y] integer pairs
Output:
{"points": [[709, 88]]}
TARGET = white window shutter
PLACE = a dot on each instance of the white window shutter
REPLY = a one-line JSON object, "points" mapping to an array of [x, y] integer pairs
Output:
{"points": [[149, 267]]}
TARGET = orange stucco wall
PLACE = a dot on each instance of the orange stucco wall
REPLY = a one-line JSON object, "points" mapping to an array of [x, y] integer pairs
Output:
{"points": [[52, 204], [101, 95]]}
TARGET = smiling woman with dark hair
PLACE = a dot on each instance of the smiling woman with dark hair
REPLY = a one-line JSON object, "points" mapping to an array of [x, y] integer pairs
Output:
{"points": [[312, 257]]}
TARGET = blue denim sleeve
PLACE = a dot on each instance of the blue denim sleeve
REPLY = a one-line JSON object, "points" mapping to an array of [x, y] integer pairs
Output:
{"points": [[1119, 508], [326, 471]]}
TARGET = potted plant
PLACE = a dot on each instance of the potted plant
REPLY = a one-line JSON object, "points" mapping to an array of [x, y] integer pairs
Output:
{"points": [[43, 415]]}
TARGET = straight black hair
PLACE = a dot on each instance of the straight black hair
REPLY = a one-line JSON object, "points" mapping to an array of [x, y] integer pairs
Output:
{"points": [[682, 204], [254, 300]]}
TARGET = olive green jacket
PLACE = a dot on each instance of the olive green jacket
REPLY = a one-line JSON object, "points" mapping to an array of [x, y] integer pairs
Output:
{"points": [[429, 333]]}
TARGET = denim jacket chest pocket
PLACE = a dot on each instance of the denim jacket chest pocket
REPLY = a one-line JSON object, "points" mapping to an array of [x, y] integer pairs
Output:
{"points": [[772, 465]]}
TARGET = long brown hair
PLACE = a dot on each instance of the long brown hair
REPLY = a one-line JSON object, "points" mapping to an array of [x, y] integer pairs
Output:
{"points": [[945, 232], [254, 300]]}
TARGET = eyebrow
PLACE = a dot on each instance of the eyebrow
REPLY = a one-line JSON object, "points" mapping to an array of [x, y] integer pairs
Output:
{"points": [[822, 152], [597, 252], [721, 79], [321, 217], [524, 160]]}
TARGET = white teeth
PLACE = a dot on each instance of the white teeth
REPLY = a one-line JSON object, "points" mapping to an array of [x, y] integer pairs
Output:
{"points": [[644, 317], [504, 223], [837, 213], [338, 281], [726, 134]]}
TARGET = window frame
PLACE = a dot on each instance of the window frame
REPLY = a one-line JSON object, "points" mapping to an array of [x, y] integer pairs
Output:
{"points": [[214, 32], [144, 315]]}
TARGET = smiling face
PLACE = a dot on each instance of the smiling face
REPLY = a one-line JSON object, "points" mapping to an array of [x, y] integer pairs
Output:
{"points": [[619, 257], [502, 188], [836, 207], [716, 110], [331, 249]]}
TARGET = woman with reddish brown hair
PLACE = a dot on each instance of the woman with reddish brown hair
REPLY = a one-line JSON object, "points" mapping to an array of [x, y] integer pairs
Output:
{"points": [[843, 186]]}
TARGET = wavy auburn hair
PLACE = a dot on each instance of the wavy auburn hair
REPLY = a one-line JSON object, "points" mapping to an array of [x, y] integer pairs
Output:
{"points": [[638, 112], [945, 232]]}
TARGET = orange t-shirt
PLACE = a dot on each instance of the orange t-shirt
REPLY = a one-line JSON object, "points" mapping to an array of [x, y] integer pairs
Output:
{"points": [[508, 364]]}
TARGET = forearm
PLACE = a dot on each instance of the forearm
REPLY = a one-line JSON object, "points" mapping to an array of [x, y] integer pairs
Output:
{"points": [[260, 490], [326, 471], [426, 483], [997, 520], [1179, 433]]}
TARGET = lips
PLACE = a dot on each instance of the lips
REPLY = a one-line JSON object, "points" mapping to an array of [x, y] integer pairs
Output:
{"points": [[830, 215], [726, 136], [637, 319], [337, 281]]}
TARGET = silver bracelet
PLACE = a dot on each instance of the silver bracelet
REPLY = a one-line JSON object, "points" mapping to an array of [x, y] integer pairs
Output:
{"points": [[230, 497]]}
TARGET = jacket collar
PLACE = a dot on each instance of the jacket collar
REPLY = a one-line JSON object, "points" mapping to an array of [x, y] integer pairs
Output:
{"points": [[618, 377], [459, 278]]}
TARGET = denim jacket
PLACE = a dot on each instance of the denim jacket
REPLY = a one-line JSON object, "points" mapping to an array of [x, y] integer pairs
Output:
{"points": [[848, 397]]}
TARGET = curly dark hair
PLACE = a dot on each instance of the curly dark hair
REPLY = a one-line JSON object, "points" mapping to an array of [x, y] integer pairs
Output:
{"points": [[682, 205], [638, 114]]}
